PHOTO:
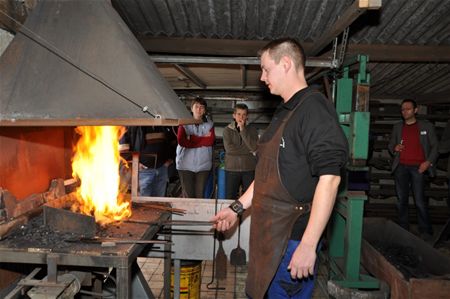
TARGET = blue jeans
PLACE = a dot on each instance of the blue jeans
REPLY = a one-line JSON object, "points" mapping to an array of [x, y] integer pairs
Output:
{"points": [[153, 182], [283, 286], [233, 181], [406, 178]]}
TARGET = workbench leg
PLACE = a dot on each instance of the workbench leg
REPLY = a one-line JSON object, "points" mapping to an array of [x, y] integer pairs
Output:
{"points": [[139, 286], [176, 278], [123, 279], [167, 266]]}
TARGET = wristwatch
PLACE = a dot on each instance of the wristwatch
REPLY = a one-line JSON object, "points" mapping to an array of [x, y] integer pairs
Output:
{"points": [[237, 207]]}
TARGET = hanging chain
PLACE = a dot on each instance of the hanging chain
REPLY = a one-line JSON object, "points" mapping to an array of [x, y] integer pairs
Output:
{"points": [[343, 48], [334, 59]]}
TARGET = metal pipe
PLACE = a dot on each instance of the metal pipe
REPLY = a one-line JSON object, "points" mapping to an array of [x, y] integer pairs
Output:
{"points": [[178, 59]]}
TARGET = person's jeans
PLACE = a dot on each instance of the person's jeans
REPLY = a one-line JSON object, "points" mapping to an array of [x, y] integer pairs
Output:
{"points": [[234, 179], [153, 182], [283, 286], [407, 177]]}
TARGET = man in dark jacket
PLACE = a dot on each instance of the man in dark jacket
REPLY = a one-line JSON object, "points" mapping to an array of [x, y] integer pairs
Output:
{"points": [[414, 146], [444, 147]]}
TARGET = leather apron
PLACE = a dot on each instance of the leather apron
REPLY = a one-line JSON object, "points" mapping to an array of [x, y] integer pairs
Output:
{"points": [[274, 212]]}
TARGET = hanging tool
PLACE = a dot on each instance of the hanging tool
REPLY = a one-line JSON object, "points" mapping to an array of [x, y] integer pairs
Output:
{"points": [[221, 259], [214, 261], [238, 256]]}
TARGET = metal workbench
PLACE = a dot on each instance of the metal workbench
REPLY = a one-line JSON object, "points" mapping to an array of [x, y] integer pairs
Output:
{"points": [[19, 248]]}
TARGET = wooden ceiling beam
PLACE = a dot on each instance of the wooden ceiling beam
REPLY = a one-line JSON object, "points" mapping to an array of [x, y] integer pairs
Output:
{"points": [[242, 48], [421, 98], [244, 76], [201, 46], [434, 98], [345, 20], [190, 75], [402, 53]]}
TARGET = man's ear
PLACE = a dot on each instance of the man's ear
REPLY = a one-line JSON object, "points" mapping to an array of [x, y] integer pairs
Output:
{"points": [[286, 62]]}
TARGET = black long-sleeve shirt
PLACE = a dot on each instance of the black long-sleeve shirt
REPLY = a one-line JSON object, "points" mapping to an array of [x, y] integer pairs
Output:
{"points": [[313, 144]]}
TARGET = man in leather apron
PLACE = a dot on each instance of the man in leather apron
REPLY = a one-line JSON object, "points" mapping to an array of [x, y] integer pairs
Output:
{"points": [[300, 158]]}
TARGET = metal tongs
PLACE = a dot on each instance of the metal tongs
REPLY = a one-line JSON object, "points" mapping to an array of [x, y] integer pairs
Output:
{"points": [[173, 222], [110, 242]]}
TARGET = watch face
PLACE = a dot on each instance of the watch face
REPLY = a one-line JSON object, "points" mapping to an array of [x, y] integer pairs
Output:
{"points": [[237, 207]]}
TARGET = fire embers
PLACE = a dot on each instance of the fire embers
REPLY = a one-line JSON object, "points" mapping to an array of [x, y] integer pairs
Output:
{"points": [[96, 163]]}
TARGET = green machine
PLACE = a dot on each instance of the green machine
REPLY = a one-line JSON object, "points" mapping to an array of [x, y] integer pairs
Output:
{"points": [[345, 227]]}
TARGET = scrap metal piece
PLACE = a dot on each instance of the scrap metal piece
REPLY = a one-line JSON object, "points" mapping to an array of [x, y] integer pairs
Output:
{"points": [[66, 221]]}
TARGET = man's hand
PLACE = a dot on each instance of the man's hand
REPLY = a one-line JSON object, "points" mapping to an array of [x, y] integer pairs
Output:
{"points": [[224, 220], [424, 166], [240, 124], [304, 257], [303, 261], [399, 147]]}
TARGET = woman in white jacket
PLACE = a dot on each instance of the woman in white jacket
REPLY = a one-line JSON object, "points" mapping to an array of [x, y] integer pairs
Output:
{"points": [[194, 151]]}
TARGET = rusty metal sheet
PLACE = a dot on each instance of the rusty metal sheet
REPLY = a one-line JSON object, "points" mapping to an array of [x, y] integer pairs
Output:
{"points": [[437, 266], [75, 63]]}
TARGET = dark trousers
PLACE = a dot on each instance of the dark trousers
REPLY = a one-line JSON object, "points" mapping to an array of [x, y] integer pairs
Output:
{"points": [[406, 178], [234, 179], [193, 183]]}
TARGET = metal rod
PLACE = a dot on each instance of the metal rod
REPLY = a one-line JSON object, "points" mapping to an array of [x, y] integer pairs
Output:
{"points": [[116, 240]]}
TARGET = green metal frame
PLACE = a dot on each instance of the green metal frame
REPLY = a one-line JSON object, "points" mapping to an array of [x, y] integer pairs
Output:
{"points": [[345, 229]]}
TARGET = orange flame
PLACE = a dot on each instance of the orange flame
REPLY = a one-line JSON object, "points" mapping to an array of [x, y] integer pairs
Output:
{"points": [[96, 164]]}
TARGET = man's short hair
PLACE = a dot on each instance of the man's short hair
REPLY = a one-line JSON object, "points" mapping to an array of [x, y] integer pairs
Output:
{"points": [[200, 101], [240, 106], [285, 47], [409, 101]]}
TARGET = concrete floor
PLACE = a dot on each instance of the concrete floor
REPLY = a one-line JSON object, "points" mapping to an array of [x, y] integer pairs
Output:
{"points": [[234, 284]]}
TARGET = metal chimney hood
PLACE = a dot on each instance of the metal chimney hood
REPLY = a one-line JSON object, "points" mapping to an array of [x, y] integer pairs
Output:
{"points": [[77, 63]]}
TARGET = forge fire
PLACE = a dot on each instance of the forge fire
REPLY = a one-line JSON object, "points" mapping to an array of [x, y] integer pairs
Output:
{"points": [[96, 164]]}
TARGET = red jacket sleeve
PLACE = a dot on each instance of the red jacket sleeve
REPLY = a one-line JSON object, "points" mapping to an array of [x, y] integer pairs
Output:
{"points": [[194, 140]]}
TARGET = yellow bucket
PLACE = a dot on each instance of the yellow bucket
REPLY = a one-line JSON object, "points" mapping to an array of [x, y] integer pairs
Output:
{"points": [[190, 279]]}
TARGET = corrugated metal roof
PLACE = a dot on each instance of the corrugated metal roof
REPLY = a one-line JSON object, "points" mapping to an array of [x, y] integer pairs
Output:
{"points": [[397, 22], [235, 19]]}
